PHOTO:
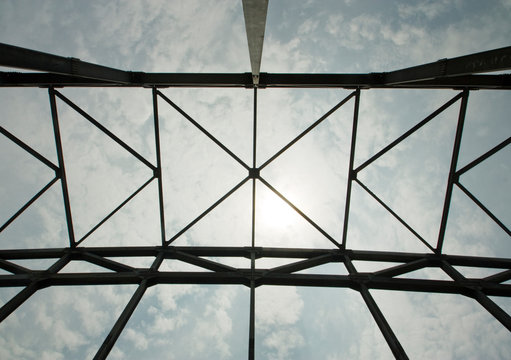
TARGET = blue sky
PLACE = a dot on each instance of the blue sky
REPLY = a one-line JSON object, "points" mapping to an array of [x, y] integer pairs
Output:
{"points": [[208, 36]]}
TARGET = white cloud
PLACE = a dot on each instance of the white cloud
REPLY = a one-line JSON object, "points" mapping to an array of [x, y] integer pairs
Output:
{"points": [[282, 342], [428, 9], [138, 338], [439, 325], [277, 306]]}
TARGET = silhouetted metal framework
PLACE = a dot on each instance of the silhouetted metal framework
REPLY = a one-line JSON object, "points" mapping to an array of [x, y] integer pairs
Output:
{"points": [[458, 73]]}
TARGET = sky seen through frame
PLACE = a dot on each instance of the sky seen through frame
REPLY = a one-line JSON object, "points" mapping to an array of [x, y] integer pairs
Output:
{"points": [[199, 322]]}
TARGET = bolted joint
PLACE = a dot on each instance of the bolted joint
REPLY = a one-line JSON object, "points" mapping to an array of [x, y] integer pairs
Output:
{"points": [[136, 76], [58, 173], [442, 67], [74, 65], [253, 173], [360, 278]]}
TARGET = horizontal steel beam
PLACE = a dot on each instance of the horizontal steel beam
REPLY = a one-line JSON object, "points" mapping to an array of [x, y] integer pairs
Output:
{"points": [[260, 252], [17, 57], [67, 71], [243, 277], [135, 277], [266, 80], [486, 61]]}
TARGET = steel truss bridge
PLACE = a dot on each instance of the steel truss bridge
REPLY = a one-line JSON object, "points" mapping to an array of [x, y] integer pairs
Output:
{"points": [[464, 74]]}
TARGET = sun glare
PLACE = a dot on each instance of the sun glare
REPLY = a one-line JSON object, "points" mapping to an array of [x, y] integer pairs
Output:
{"points": [[273, 211]]}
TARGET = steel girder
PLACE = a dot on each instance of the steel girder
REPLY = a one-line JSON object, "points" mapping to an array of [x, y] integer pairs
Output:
{"points": [[446, 73]]}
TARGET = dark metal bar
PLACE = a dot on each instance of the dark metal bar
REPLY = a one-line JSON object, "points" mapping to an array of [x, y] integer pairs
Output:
{"points": [[499, 277], [158, 165], [484, 208], [474, 82], [254, 12], [254, 132], [304, 264], [158, 260], [388, 334], [105, 130], [17, 57], [203, 263], [244, 80], [28, 149], [204, 131], [253, 212], [452, 171], [120, 206], [483, 157], [301, 213], [106, 263], [16, 301], [121, 322], [486, 61], [62, 169], [28, 203], [254, 164], [118, 278], [59, 264], [351, 174], [251, 330], [480, 297], [13, 268], [409, 132], [260, 252], [376, 80], [403, 268], [213, 251], [262, 277], [306, 131], [218, 202], [398, 218], [497, 312], [123, 319]]}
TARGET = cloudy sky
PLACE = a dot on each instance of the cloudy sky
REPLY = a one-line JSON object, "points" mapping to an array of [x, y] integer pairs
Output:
{"points": [[208, 36]]}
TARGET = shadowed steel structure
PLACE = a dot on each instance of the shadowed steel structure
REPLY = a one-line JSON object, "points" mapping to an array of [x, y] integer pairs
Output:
{"points": [[463, 74]]}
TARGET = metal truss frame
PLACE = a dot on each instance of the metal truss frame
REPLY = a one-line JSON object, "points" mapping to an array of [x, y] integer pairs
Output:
{"points": [[457, 73]]}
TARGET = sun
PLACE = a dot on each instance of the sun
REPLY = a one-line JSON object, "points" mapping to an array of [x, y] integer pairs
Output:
{"points": [[273, 211]]}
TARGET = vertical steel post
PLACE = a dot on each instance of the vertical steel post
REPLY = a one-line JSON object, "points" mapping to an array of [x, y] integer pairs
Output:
{"points": [[452, 171], [351, 174], [251, 331], [62, 169], [158, 171]]}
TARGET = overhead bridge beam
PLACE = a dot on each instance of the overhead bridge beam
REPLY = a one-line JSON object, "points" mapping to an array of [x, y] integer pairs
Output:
{"points": [[483, 62], [266, 80], [242, 277], [245, 252], [17, 57], [60, 71]]}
